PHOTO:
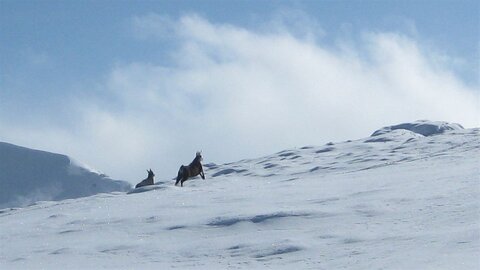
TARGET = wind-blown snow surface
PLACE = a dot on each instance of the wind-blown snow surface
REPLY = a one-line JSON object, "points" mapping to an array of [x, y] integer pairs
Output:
{"points": [[398, 201], [28, 176]]}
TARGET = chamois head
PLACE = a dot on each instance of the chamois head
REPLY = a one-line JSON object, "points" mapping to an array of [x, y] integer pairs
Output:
{"points": [[150, 173], [198, 155]]}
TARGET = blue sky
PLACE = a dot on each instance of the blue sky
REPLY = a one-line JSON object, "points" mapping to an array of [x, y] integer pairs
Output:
{"points": [[76, 75]]}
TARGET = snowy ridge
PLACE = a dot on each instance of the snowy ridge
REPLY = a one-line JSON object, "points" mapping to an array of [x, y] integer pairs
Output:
{"points": [[406, 202], [381, 149], [28, 176], [422, 127]]}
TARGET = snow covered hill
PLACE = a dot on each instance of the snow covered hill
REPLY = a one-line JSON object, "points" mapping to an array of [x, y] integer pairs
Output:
{"points": [[396, 200], [28, 176], [386, 146]]}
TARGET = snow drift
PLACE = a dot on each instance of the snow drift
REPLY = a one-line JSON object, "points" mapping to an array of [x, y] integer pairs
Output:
{"points": [[28, 176], [422, 127]]}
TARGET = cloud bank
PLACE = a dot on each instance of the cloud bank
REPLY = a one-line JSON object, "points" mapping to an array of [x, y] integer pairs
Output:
{"points": [[237, 93]]}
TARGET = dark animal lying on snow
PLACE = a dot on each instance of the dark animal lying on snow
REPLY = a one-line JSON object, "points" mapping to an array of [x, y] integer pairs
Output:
{"points": [[193, 169], [148, 181]]}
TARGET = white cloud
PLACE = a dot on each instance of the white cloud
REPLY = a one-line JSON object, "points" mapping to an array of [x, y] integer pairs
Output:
{"points": [[236, 93]]}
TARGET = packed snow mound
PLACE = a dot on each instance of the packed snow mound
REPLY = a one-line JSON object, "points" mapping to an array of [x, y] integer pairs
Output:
{"points": [[422, 127], [399, 135], [28, 176]]}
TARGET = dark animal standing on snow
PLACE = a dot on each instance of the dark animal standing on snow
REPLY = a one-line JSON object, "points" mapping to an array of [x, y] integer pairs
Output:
{"points": [[195, 168], [148, 181]]}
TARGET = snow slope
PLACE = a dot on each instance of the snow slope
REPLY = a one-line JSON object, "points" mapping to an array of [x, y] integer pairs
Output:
{"points": [[28, 176], [404, 201]]}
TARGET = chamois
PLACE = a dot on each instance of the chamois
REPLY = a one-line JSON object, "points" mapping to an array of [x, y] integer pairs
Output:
{"points": [[148, 180], [193, 169]]}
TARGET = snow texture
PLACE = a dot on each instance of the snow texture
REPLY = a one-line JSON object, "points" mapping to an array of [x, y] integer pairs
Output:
{"points": [[422, 127], [28, 176], [408, 201]]}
